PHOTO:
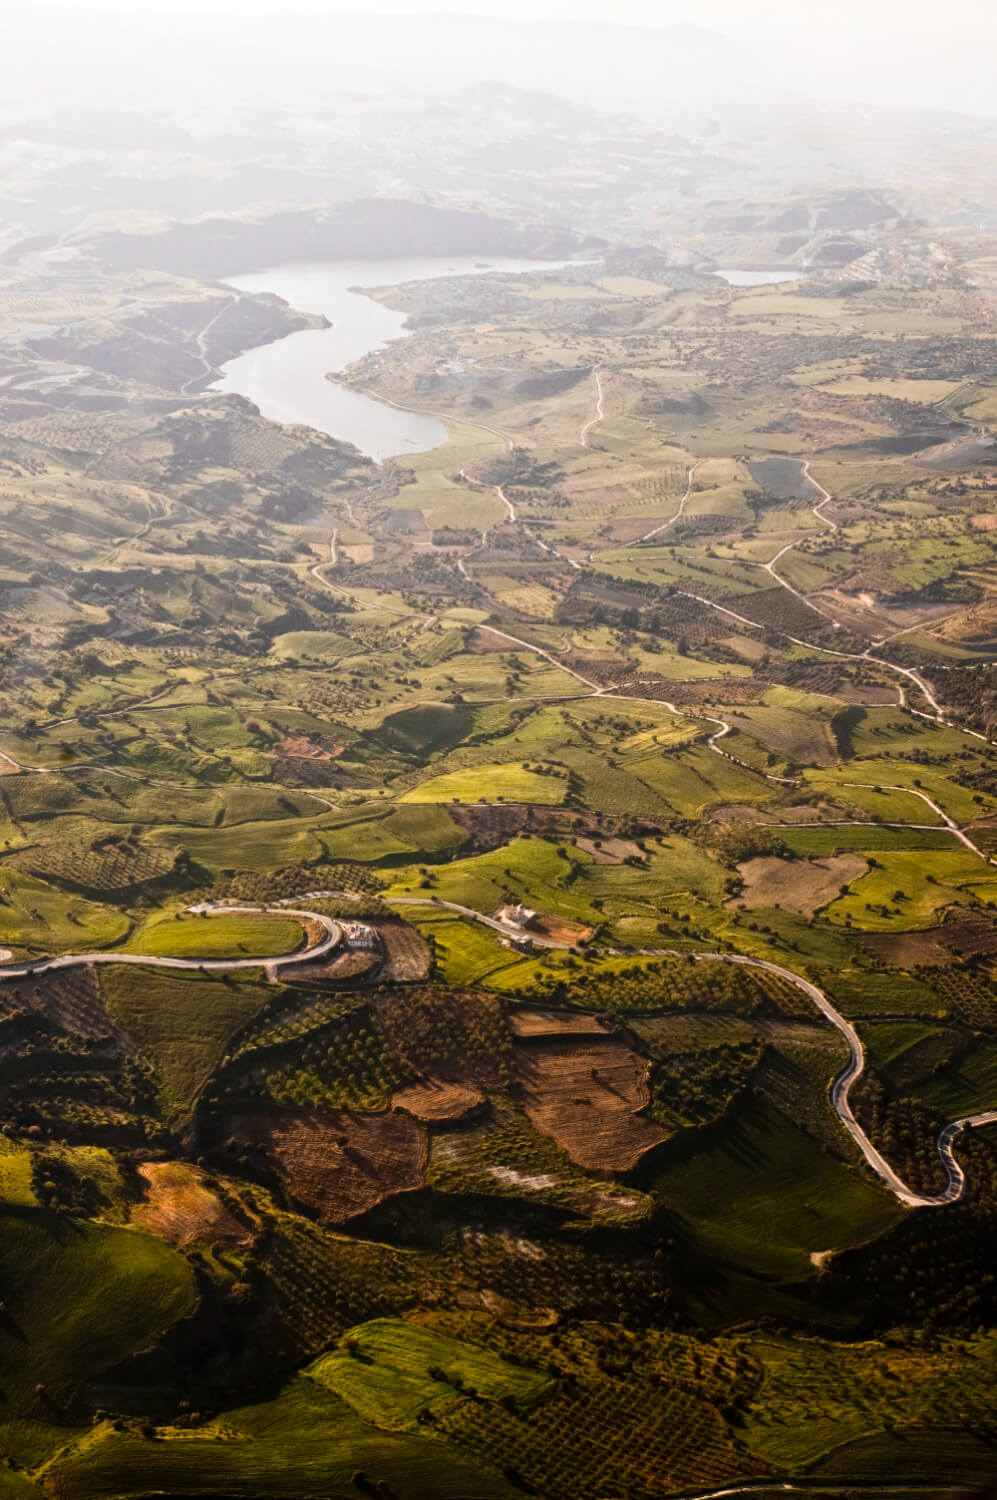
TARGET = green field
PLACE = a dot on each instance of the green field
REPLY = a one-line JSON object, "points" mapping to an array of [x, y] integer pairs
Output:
{"points": [[491, 784], [303, 1438], [181, 1022], [768, 1195], [563, 1206], [384, 1371], [79, 1299], [223, 936]]}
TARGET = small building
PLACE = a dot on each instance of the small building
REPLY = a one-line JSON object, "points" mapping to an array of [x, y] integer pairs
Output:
{"points": [[359, 935], [517, 915]]}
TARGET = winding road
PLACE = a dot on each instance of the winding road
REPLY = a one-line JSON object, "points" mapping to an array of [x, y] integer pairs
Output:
{"points": [[909, 673], [682, 505], [950, 823], [217, 965], [842, 1085], [202, 349], [840, 1088]]}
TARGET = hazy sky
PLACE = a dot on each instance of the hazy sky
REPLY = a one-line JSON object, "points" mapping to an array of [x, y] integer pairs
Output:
{"points": [[974, 20], [935, 54]]}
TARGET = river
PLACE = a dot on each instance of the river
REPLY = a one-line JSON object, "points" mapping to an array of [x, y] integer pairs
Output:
{"points": [[288, 379]]}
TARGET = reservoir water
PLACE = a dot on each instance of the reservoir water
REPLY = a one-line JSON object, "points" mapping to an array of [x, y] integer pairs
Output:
{"points": [[288, 379]]}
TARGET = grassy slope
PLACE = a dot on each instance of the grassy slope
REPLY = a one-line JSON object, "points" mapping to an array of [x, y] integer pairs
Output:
{"points": [[765, 1195], [80, 1297], [225, 936], [303, 1441], [180, 1022]]}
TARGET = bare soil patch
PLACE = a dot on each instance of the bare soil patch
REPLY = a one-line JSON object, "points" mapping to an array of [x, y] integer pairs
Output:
{"points": [[437, 1100], [560, 930], [336, 1163], [528, 1023], [587, 1095], [907, 950], [982, 523], [346, 968], [970, 932], [179, 1208], [482, 639], [407, 954], [611, 851], [800, 885], [300, 747]]}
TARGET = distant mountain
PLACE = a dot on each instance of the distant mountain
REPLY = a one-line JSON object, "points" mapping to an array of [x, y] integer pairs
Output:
{"points": [[293, 57]]}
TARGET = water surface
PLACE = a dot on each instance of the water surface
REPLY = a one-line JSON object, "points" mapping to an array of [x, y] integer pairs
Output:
{"points": [[287, 379]]}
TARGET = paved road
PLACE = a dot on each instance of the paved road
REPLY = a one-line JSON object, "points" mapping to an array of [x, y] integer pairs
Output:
{"points": [[827, 497], [515, 640], [445, 417], [879, 661], [505, 929], [840, 1089], [216, 965], [514, 517]]}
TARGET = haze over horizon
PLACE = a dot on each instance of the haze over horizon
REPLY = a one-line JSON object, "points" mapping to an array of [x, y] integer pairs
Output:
{"points": [[890, 54]]}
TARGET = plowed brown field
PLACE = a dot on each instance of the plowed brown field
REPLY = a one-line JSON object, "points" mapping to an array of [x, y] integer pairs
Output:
{"points": [[587, 1096], [336, 1163]]}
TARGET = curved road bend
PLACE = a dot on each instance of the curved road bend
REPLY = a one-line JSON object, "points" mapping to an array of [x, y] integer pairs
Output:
{"points": [[513, 516], [840, 1089], [444, 417], [202, 350], [682, 505], [217, 965], [600, 410]]}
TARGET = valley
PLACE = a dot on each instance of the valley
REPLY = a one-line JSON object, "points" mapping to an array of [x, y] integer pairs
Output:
{"points": [[498, 859]]}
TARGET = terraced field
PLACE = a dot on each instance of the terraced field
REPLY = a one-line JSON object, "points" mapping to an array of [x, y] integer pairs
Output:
{"points": [[499, 976]]}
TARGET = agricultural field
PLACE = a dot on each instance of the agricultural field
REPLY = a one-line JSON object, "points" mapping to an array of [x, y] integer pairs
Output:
{"points": [[631, 752]]}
